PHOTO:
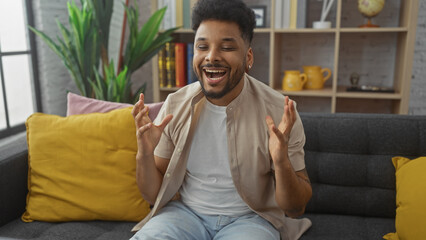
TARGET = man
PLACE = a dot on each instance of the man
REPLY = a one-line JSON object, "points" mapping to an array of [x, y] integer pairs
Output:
{"points": [[221, 168]]}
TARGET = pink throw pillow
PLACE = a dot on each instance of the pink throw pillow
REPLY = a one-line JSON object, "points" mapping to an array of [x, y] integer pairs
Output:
{"points": [[81, 105]]}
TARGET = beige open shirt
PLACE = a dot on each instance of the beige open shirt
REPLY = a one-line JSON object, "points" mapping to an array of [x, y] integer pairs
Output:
{"points": [[250, 162]]}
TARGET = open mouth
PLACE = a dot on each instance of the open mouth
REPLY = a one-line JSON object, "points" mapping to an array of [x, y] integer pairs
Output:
{"points": [[214, 75]]}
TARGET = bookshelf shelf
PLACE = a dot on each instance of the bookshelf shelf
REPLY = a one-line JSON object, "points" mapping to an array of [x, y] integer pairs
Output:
{"points": [[306, 30], [184, 30], [381, 56], [169, 89], [342, 93], [369, 30], [326, 92], [262, 30], [389, 96]]}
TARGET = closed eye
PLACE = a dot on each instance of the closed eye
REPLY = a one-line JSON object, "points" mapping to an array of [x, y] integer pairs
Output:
{"points": [[228, 48], [202, 47]]}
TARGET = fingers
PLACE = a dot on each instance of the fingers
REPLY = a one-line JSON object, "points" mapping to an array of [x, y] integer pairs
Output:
{"points": [[140, 111], [273, 129], [289, 116], [142, 101], [143, 129], [269, 122], [279, 134], [288, 109], [292, 111], [139, 105], [139, 118], [165, 121], [136, 107], [271, 126]]}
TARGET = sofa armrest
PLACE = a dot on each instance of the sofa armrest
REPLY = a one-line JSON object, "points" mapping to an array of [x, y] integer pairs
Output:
{"points": [[13, 179]]}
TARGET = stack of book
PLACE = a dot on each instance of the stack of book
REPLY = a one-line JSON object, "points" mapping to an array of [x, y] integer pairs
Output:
{"points": [[178, 13], [175, 65], [290, 14]]}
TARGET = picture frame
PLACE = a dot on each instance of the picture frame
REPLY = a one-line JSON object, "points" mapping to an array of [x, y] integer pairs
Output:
{"points": [[260, 14]]}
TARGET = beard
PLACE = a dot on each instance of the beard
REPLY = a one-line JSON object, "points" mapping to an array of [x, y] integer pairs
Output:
{"points": [[233, 80]]}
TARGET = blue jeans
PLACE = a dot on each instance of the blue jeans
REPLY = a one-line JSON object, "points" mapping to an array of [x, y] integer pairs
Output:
{"points": [[179, 222]]}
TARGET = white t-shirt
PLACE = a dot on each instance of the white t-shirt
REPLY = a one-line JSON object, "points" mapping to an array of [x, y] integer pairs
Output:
{"points": [[208, 187]]}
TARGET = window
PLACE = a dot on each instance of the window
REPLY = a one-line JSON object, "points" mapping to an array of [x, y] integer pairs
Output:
{"points": [[19, 92]]}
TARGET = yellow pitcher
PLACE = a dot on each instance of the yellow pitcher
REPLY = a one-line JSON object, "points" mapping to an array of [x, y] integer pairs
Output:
{"points": [[316, 78], [293, 80]]}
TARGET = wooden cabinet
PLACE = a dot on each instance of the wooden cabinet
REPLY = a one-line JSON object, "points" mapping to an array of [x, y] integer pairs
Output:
{"points": [[380, 56]]}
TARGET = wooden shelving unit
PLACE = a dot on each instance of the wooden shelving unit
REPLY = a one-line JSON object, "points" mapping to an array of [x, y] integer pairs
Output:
{"points": [[380, 55]]}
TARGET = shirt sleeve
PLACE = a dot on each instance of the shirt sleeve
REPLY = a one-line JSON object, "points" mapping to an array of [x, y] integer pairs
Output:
{"points": [[165, 146], [297, 140]]}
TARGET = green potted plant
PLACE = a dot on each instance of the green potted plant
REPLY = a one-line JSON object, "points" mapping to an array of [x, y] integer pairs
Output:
{"points": [[83, 47]]}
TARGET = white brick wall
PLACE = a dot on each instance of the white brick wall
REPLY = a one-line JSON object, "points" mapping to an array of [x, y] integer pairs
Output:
{"points": [[55, 80], [144, 74], [418, 82]]}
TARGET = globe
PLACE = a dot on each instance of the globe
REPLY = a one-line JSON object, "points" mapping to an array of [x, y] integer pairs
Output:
{"points": [[370, 8]]}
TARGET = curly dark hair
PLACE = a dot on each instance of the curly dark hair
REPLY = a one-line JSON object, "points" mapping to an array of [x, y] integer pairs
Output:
{"points": [[225, 10]]}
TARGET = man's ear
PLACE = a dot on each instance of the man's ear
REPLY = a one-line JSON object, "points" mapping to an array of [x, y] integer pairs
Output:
{"points": [[249, 59]]}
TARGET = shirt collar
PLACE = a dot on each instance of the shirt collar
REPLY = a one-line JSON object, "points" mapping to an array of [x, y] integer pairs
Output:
{"points": [[237, 101]]}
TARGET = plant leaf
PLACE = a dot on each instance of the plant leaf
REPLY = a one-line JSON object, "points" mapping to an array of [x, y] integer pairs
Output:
{"points": [[151, 27]]}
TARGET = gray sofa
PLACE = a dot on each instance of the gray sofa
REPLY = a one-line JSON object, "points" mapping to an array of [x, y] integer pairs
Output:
{"points": [[348, 158]]}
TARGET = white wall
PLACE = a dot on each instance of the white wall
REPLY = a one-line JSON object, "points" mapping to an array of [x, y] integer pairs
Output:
{"points": [[418, 82], [54, 78]]}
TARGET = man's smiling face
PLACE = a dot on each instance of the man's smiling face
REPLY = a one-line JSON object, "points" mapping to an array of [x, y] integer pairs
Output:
{"points": [[220, 59]]}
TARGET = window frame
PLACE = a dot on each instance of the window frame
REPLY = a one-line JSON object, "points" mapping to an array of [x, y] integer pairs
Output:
{"points": [[9, 130]]}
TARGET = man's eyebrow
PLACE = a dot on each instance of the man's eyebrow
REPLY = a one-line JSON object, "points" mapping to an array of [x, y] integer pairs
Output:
{"points": [[200, 39], [228, 39]]}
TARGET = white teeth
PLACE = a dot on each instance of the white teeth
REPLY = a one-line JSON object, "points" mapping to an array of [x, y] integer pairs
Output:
{"points": [[215, 71]]}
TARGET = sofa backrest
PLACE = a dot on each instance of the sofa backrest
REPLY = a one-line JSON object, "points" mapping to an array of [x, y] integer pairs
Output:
{"points": [[348, 159]]}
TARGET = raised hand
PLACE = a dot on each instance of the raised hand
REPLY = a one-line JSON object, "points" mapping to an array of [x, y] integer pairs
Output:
{"points": [[148, 135], [279, 136]]}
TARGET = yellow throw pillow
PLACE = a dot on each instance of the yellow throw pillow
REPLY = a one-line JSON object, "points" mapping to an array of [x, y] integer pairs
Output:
{"points": [[410, 218], [82, 167]]}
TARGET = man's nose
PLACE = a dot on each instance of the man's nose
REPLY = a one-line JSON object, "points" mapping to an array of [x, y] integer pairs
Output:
{"points": [[213, 55]]}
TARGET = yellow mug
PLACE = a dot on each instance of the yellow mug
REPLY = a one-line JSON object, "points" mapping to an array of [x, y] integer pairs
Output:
{"points": [[316, 78], [293, 80]]}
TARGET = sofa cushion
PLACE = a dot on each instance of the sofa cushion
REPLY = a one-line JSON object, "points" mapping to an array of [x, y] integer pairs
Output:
{"points": [[335, 133], [410, 219], [13, 185], [77, 104], [338, 227], [348, 159], [82, 167], [91, 230], [353, 184]]}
